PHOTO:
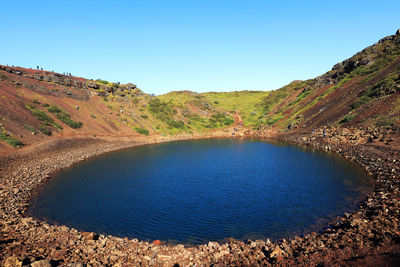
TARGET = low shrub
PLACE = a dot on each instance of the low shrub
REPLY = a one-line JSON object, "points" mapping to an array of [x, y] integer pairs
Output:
{"points": [[348, 118], [44, 130], [10, 140], [361, 101], [41, 115], [30, 128], [102, 81], [63, 116], [142, 131]]}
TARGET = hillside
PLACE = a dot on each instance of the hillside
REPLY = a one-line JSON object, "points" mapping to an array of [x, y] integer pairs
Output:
{"points": [[247, 103], [362, 91], [36, 104]]}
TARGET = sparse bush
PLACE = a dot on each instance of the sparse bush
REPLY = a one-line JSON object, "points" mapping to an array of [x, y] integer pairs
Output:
{"points": [[41, 115], [142, 131], [164, 112], [221, 118], [44, 130], [54, 109], [176, 124], [348, 118], [102, 81], [10, 140], [30, 128], [274, 119], [63, 116], [361, 101], [386, 121]]}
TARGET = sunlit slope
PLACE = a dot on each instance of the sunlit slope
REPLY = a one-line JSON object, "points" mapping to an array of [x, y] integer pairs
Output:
{"points": [[247, 103], [360, 91], [35, 105]]}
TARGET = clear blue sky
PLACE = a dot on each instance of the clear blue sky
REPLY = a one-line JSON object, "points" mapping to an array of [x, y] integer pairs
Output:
{"points": [[204, 45]]}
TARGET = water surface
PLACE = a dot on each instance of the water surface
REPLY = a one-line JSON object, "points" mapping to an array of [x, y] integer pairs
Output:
{"points": [[202, 190]]}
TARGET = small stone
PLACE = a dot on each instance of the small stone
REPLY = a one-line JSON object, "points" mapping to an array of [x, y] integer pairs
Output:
{"points": [[157, 242], [277, 252], [41, 263], [12, 262], [147, 258], [90, 236]]}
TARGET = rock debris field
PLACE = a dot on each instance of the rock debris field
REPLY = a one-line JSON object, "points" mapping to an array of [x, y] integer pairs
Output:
{"points": [[369, 235]]}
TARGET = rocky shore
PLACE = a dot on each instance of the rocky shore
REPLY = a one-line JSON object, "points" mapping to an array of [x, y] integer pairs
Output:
{"points": [[369, 235]]}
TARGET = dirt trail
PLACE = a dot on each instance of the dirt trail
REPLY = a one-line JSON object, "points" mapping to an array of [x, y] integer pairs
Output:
{"points": [[238, 119]]}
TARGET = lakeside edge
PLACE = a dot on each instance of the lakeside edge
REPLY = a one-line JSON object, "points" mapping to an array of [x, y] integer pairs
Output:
{"points": [[370, 233]]}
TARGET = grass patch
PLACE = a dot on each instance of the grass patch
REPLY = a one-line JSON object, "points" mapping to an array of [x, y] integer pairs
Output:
{"points": [[44, 130], [348, 118], [142, 131], [247, 103], [43, 117], [31, 129], [274, 119], [361, 101], [10, 140], [63, 116], [165, 112], [102, 81], [386, 121]]}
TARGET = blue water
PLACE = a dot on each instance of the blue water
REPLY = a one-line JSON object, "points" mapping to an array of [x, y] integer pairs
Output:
{"points": [[202, 190]]}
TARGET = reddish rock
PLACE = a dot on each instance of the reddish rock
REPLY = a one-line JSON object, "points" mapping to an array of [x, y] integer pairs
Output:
{"points": [[157, 242]]}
